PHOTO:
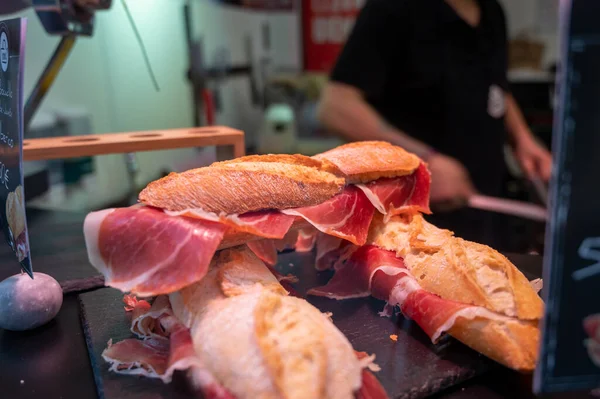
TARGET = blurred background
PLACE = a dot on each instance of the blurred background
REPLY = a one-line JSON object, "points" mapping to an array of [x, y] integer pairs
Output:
{"points": [[258, 66]]}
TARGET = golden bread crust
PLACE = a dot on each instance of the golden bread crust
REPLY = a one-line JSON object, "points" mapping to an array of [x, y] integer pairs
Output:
{"points": [[293, 350], [365, 161], [291, 159], [240, 187], [513, 343], [458, 270]]}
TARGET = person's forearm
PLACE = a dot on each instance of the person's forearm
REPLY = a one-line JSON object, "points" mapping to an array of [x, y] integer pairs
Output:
{"points": [[515, 122], [354, 119]]}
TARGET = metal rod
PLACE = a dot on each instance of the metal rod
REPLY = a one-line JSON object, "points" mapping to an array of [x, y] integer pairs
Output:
{"points": [[48, 77]]}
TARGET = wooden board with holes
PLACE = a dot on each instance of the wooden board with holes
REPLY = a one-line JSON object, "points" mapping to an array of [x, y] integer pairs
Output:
{"points": [[113, 143]]}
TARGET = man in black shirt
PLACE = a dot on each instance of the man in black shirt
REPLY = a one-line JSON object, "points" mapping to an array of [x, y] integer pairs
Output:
{"points": [[430, 76]]}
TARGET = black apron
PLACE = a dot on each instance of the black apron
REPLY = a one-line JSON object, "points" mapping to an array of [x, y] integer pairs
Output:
{"points": [[473, 123]]}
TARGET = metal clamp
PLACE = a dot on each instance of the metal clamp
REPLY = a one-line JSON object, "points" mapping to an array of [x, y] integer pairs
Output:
{"points": [[65, 17], [68, 18]]}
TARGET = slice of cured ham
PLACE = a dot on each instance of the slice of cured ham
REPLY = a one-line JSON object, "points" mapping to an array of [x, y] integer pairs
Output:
{"points": [[268, 224], [288, 242], [398, 195], [370, 387], [591, 325], [377, 272], [146, 318], [347, 215], [265, 250], [328, 248], [355, 278], [300, 240], [160, 356], [306, 240], [147, 252]]}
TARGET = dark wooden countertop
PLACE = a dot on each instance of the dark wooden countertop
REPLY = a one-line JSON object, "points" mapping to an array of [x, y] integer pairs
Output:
{"points": [[53, 361]]}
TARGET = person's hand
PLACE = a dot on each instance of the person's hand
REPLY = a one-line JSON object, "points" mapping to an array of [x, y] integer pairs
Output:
{"points": [[451, 185], [534, 159]]}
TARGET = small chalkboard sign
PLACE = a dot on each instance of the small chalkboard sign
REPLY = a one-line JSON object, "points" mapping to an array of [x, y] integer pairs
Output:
{"points": [[570, 350], [12, 201]]}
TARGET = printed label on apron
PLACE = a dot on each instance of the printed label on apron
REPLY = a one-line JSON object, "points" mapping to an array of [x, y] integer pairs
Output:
{"points": [[496, 102]]}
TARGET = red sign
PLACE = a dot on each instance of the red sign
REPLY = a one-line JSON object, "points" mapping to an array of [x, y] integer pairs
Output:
{"points": [[326, 25], [264, 5]]}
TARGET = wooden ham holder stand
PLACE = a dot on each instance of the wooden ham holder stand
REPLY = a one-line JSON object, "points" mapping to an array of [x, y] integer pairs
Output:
{"points": [[229, 143]]}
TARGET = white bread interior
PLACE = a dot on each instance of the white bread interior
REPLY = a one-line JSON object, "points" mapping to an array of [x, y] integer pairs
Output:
{"points": [[260, 343]]}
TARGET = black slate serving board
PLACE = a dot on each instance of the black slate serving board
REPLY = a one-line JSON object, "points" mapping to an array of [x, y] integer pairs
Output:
{"points": [[412, 367]]}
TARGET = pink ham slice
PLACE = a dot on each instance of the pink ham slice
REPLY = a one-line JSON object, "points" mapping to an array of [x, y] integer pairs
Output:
{"points": [[147, 252], [404, 194], [132, 356], [328, 248], [287, 242], [160, 356], [306, 240], [332, 252], [146, 318], [268, 224], [591, 325], [377, 272], [265, 250], [347, 215], [370, 387], [132, 303], [355, 278], [155, 357], [301, 240]]}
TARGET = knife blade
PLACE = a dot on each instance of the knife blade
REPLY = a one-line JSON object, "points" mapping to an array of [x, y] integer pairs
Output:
{"points": [[508, 207]]}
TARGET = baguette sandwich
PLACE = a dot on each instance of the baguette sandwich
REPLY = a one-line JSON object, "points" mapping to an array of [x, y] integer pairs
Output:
{"points": [[474, 293], [362, 204]]}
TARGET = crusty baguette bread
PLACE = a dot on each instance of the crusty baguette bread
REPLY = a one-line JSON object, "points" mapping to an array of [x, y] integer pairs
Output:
{"points": [[475, 274], [365, 161], [296, 159], [513, 343], [246, 185], [456, 269], [240, 270], [260, 343]]}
